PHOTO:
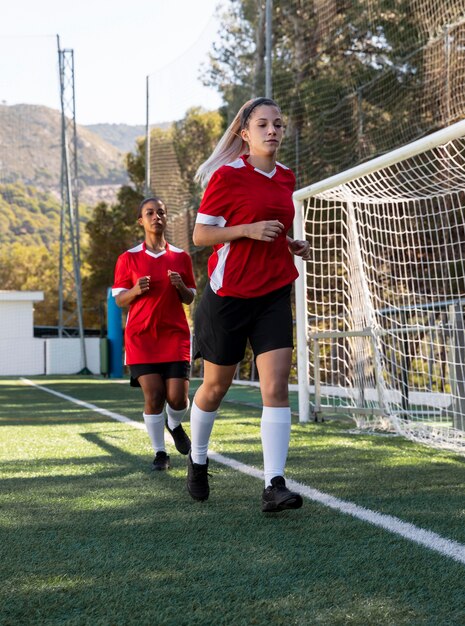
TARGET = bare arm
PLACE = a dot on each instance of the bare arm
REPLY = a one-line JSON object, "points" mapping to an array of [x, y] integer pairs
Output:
{"points": [[206, 235], [125, 298], [185, 294]]}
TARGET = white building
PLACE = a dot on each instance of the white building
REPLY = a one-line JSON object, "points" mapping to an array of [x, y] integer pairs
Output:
{"points": [[21, 354]]}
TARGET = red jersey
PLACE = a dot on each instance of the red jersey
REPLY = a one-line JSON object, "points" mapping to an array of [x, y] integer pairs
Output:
{"points": [[156, 326], [237, 194]]}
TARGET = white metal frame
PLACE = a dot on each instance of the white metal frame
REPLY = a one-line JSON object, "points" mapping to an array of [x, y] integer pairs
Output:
{"points": [[409, 150]]}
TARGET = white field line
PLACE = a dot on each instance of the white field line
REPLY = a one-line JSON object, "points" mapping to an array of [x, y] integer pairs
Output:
{"points": [[426, 538], [86, 405]]}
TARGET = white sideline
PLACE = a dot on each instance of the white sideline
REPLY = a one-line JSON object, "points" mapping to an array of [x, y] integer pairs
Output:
{"points": [[426, 538]]}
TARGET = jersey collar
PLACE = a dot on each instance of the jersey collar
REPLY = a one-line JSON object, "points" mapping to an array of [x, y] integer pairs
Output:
{"points": [[255, 169], [153, 254]]}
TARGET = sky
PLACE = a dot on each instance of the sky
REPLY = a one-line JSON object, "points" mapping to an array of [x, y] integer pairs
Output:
{"points": [[116, 46]]}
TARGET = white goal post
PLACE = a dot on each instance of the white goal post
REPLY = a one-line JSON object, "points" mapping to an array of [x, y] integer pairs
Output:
{"points": [[380, 307]]}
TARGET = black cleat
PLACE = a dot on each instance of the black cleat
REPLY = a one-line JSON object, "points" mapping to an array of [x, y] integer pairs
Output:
{"points": [[197, 480], [161, 462], [278, 497], [180, 438]]}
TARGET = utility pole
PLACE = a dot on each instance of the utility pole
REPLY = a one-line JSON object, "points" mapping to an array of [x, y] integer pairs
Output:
{"points": [[147, 138], [70, 290], [268, 47]]}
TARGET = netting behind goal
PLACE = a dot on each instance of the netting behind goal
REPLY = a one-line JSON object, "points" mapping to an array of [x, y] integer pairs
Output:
{"points": [[386, 293], [172, 167]]}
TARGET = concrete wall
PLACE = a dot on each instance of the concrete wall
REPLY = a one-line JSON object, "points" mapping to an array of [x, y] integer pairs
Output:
{"points": [[21, 354], [22, 357], [63, 355]]}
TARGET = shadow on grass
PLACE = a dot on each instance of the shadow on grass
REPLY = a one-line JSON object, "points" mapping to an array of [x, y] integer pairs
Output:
{"points": [[146, 553], [120, 544], [121, 463]]}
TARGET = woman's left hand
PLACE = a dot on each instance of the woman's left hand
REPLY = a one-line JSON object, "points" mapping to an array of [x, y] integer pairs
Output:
{"points": [[185, 294], [300, 248], [175, 279]]}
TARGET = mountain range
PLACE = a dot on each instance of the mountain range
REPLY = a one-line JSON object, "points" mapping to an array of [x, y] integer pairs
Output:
{"points": [[30, 170], [121, 136], [30, 152]]}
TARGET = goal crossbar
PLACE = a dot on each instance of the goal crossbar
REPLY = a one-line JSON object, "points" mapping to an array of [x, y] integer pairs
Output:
{"points": [[384, 222], [414, 148]]}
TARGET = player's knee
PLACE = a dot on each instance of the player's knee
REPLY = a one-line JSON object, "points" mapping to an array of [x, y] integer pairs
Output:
{"points": [[178, 404], [215, 392], [154, 402], [275, 392]]}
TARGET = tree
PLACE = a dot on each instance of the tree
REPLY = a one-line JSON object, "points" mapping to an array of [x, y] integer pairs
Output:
{"points": [[33, 268], [324, 53], [236, 63], [111, 230], [194, 139]]}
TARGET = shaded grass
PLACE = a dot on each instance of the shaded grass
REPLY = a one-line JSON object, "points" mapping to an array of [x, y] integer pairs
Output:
{"points": [[88, 535]]}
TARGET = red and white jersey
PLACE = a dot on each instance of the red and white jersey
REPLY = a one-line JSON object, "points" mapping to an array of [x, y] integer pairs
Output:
{"points": [[237, 194], [156, 328]]}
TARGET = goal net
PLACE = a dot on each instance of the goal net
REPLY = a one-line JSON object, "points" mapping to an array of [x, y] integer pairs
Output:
{"points": [[383, 338], [176, 143]]}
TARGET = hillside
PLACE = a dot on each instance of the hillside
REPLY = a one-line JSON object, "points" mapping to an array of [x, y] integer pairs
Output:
{"points": [[30, 216], [30, 152], [122, 136]]}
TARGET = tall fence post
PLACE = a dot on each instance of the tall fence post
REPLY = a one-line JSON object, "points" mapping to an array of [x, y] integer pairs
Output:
{"points": [[147, 138], [268, 48]]}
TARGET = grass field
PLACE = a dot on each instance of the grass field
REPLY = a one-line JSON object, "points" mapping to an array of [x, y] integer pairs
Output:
{"points": [[89, 535]]}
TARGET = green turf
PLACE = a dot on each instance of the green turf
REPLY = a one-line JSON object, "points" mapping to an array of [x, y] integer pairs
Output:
{"points": [[88, 535]]}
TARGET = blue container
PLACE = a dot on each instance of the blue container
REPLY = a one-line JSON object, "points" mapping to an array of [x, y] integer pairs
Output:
{"points": [[115, 337]]}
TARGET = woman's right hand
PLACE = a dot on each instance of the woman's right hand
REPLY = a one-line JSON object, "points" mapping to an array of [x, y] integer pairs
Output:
{"points": [[142, 285], [127, 297], [267, 230]]}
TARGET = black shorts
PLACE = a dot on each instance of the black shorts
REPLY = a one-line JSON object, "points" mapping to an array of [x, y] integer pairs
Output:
{"points": [[223, 324], [170, 369]]}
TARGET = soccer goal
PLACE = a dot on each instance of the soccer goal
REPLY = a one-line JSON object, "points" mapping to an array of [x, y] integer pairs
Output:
{"points": [[381, 304]]}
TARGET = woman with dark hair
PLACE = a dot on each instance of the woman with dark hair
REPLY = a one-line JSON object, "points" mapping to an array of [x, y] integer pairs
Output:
{"points": [[155, 279], [245, 214]]}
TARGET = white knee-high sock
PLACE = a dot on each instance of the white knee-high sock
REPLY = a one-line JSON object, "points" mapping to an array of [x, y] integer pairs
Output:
{"points": [[155, 425], [201, 428], [276, 433], [175, 417]]}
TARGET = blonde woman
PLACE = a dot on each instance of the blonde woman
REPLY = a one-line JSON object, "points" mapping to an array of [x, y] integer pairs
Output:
{"points": [[245, 214]]}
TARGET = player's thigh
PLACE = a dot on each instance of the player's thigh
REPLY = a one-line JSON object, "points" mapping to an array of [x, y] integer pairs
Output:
{"points": [[272, 326], [221, 328]]}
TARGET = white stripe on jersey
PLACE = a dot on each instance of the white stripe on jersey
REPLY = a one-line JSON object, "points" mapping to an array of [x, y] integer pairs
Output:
{"points": [[172, 248], [138, 248], [237, 164], [267, 174], [155, 254], [210, 220], [115, 292], [216, 279]]}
